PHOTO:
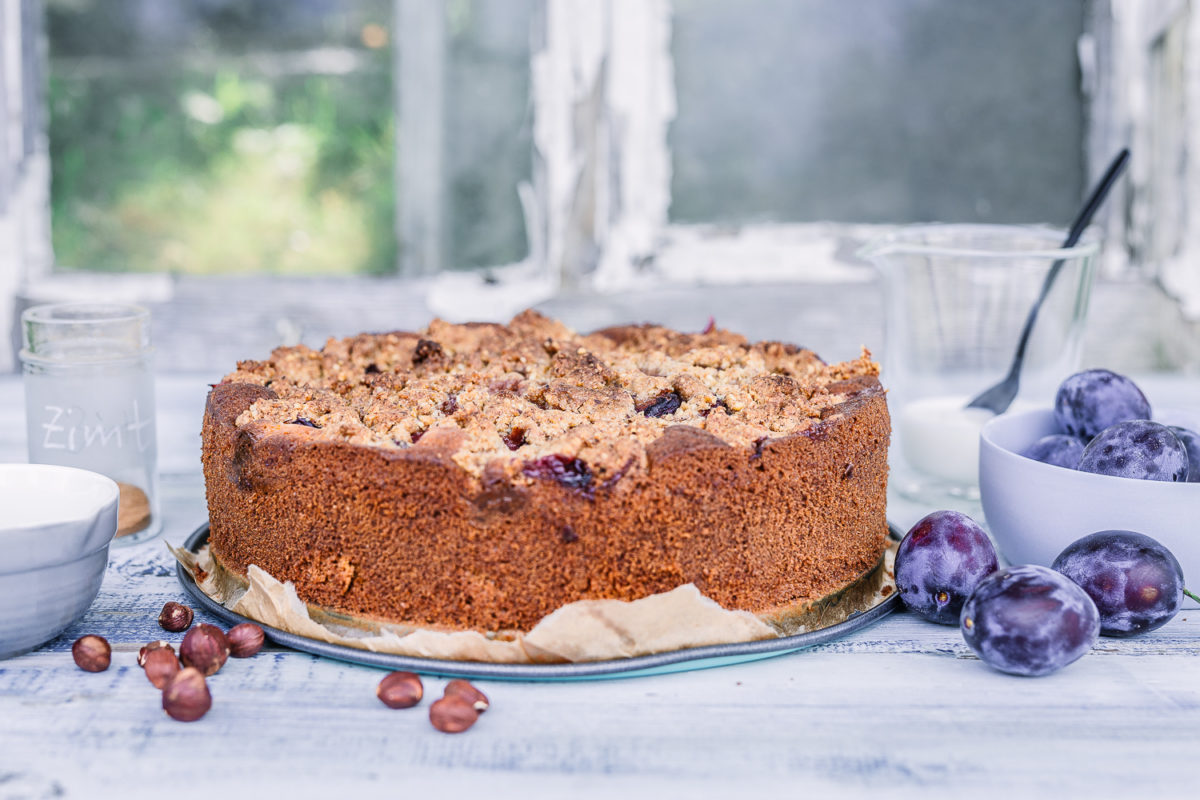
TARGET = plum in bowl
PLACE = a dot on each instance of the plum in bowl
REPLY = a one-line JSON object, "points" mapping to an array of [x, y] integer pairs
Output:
{"points": [[1034, 510]]}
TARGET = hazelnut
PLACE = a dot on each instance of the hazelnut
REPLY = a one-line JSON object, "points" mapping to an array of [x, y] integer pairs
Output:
{"points": [[452, 714], [185, 696], [460, 688], [160, 666], [244, 640], [92, 653], [400, 690], [175, 617], [146, 648], [205, 648]]}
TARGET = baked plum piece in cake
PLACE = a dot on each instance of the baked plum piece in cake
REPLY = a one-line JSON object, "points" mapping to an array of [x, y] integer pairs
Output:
{"points": [[480, 476]]}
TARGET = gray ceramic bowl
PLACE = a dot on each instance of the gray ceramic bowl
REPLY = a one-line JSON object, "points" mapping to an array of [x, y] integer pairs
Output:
{"points": [[55, 527], [1034, 510]]}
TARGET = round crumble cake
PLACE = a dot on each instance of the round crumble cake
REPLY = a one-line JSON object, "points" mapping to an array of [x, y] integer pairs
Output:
{"points": [[480, 476]]}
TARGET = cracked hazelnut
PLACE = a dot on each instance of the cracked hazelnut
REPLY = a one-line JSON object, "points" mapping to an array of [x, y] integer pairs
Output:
{"points": [[185, 696], [400, 690], [244, 640], [452, 714], [175, 617], [205, 648], [92, 653], [460, 688], [146, 648], [160, 666]]}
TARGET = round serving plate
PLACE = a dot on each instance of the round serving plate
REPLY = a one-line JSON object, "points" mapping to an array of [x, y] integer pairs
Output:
{"points": [[717, 655]]}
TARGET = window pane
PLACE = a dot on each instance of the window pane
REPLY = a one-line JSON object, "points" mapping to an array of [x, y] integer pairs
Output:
{"points": [[489, 147], [877, 111], [216, 137]]}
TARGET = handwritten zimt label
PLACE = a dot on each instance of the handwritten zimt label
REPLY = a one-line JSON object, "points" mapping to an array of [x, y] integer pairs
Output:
{"points": [[75, 429]]}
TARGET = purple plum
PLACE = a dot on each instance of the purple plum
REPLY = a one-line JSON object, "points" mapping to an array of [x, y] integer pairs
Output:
{"points": [[1058, 449], [1135, 582], [1029, 620], [1137, 449], [1191, 443], [939, 563], [1090, 401]]}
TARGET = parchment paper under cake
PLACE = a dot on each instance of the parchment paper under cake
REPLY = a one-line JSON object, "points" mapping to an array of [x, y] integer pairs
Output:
{"points": [[587, 630]]}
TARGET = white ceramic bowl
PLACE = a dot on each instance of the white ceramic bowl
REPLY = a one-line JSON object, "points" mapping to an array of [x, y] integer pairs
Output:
{"points": [[55, 527], [1034, 510]]}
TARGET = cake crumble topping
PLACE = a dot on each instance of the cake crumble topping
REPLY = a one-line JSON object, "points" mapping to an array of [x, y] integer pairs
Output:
{"points": [[520, 399]]}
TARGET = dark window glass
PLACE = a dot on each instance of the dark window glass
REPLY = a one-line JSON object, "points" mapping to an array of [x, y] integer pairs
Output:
{"points": [[877, 111]]}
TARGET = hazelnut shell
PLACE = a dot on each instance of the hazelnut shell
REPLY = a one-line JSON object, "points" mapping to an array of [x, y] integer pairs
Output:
{"points": [[461, 688], [452, 714], [185, 696], [175, 617], [156, 645], [92, 653], [400, 690], [245, 640], [205, 648], [160, 666]]}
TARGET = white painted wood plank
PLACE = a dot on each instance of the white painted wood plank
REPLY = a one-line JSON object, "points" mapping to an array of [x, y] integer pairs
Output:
{"points": [[873, 721]]}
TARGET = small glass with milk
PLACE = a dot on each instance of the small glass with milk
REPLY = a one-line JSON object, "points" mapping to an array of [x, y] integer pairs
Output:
{"points": [[89, 401], [957, 297]]}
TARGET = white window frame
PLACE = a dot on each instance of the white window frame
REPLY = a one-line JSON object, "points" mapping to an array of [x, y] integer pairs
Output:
{"points": [[597, 207], [1141, 65]]}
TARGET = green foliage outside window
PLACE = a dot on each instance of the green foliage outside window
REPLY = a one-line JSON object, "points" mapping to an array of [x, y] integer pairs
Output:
{"points": [[222, 173]]}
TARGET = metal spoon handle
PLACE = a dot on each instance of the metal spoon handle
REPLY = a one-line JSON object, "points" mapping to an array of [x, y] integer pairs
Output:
{"points": [[999, 397], [1077, 228]]}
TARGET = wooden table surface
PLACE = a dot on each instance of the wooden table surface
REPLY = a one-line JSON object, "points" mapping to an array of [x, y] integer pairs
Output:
{"points": [[901, 709]]}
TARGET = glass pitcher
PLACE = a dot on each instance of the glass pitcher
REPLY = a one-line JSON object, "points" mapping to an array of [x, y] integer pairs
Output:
{"points": [[957, 297]]}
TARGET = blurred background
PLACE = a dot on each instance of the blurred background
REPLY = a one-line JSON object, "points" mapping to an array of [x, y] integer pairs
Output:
{"points": [[262, 172]]}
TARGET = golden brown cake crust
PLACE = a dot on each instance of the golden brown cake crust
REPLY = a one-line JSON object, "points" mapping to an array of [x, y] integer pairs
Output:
{"points": [[760, 475]]}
